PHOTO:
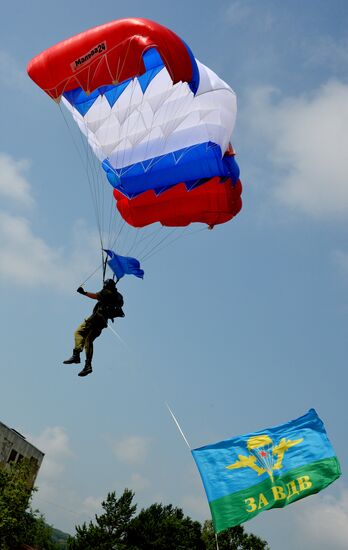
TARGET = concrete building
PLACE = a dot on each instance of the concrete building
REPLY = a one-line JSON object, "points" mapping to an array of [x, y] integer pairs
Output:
{"points": [[14, 447]]}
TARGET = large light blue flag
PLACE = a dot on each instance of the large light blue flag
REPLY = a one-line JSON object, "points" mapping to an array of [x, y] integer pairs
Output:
{"points": [[271, 468]]}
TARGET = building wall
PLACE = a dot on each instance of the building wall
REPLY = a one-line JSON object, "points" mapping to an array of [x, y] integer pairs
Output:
{"points": [[14, 447]]}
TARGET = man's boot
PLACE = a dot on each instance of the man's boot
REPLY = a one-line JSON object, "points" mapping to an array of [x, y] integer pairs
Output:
{"points": [[75, 358], [87, 369]]}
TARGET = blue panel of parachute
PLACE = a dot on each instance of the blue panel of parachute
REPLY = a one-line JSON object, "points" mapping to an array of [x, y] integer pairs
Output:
{"points": [[194, 83], [80, 100], [185, 165], [153, 64]]}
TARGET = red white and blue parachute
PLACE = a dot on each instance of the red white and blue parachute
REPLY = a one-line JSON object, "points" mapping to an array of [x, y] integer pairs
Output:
{"points": [[155, 117], [158, 121]]}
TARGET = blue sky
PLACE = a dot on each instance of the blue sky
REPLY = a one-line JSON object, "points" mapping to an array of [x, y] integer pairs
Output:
{"points": [[239, 328]]}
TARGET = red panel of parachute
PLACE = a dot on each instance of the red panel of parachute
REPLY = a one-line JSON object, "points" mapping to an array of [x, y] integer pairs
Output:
{"points": [[108, 54], [212, 203]]}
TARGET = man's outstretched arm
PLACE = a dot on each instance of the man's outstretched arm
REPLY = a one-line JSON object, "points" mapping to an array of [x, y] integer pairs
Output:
{"points": [[92, 295]]}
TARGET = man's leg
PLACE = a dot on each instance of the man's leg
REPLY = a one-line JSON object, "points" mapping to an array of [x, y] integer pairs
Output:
{"points": [[93, 333], [79, 337]]}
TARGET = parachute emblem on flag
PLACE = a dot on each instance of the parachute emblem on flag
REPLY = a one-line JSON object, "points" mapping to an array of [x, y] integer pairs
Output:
{"points": [[265, 456]]}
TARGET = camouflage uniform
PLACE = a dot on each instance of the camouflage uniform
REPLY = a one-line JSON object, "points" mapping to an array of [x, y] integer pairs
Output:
{"points": [[92, 327]]}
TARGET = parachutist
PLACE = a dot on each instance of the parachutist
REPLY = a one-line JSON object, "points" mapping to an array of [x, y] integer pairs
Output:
{"points": [[109, 305]]}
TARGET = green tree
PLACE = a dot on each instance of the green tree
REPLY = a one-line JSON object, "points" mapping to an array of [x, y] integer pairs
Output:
{"points": [[19, 524], [15, 494], [40, 535], [109, 531], [162, 527], [234, 538], [158, 527]]}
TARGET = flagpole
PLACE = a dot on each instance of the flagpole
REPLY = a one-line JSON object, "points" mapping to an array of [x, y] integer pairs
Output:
{"points": [[104, 264], [187, 443], [178, 426]]}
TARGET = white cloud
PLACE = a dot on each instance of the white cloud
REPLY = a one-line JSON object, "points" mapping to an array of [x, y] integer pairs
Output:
{"points": [[64, 507], [323, 523], [92, 505], [132, 449], [54, 442], [237, 12], [306, 140], [138, 482], [13, 183], [28, 260], [196, 507], [341, 258], [326, 51], [241, 11], [10, 74]]}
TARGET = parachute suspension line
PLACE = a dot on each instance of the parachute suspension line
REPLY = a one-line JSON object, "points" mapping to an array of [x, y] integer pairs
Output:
{"points": [[113, 219], [70, 132], [114, 242], [84, 166], [115, 222], [91, 275], [95, 199], [159, 248], [127, 236], [110, 221], [151, 238], [134, 244], [184, 233], [82, 144], [216, 540], [145, 237], [155, 247], [95, 186]]}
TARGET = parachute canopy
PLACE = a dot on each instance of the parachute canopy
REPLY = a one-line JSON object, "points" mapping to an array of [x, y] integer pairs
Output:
{"points": [[158, 120]]}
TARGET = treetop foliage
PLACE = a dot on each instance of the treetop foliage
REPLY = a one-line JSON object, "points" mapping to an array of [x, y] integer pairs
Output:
{"points": [[158, 527]]}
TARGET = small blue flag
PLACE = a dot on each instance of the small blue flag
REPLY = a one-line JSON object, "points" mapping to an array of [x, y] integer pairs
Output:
{"points": [[124, 265]]}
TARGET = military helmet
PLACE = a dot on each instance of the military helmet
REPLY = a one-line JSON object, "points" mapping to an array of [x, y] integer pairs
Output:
{"points": [[109, 284]]}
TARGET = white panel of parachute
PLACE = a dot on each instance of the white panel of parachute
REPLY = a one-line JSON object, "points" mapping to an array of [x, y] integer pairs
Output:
{"points": [[166, 117]]}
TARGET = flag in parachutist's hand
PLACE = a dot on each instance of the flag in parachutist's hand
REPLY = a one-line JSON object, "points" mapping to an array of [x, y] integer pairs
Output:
{"points": [[271, 468], [124, 265]]}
